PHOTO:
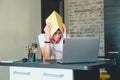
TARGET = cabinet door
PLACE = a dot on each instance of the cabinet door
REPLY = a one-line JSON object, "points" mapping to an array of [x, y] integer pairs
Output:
{"points": [[112, 25]]}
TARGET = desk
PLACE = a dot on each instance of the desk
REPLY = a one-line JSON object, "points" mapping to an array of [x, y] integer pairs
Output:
{"points": [[80, 71]]}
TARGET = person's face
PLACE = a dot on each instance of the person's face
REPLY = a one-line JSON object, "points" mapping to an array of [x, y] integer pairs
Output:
{"points": [[57, 35]]}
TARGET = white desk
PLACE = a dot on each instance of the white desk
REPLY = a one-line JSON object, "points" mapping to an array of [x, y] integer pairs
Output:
{"points": [[51, 70]]}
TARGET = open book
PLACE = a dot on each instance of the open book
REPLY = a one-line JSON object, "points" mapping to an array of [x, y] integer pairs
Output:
{"points": [[56, 21]]}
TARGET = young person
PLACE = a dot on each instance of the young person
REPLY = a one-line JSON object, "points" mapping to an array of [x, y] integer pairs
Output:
{"points": [[52, 47]]}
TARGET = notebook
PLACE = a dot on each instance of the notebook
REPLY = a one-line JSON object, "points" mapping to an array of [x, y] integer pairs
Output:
{"points": [[82, 49]]}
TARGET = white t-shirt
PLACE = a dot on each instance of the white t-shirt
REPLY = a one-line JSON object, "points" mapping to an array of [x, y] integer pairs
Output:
{"points": [[57, 49]]}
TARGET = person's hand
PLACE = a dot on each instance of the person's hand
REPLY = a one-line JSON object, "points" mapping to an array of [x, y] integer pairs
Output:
{"points": [[47, 29], [64, 29]]}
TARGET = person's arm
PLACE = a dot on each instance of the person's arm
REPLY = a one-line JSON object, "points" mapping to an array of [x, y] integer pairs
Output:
{"points": [[65, 30], [46, 50]]}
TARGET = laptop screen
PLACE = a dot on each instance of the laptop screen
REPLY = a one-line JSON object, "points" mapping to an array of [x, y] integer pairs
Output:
{"points": [[81, 49]]}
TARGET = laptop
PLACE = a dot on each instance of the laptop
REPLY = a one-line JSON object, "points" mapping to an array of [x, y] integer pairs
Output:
{"points": [[81, 49]]}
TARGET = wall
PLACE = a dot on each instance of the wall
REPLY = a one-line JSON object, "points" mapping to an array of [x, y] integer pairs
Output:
{"points": [[86, 19], [19, 27]]}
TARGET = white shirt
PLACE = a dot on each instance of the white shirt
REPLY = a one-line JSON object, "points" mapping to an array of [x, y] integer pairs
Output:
{"points": [[57, 49]]}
